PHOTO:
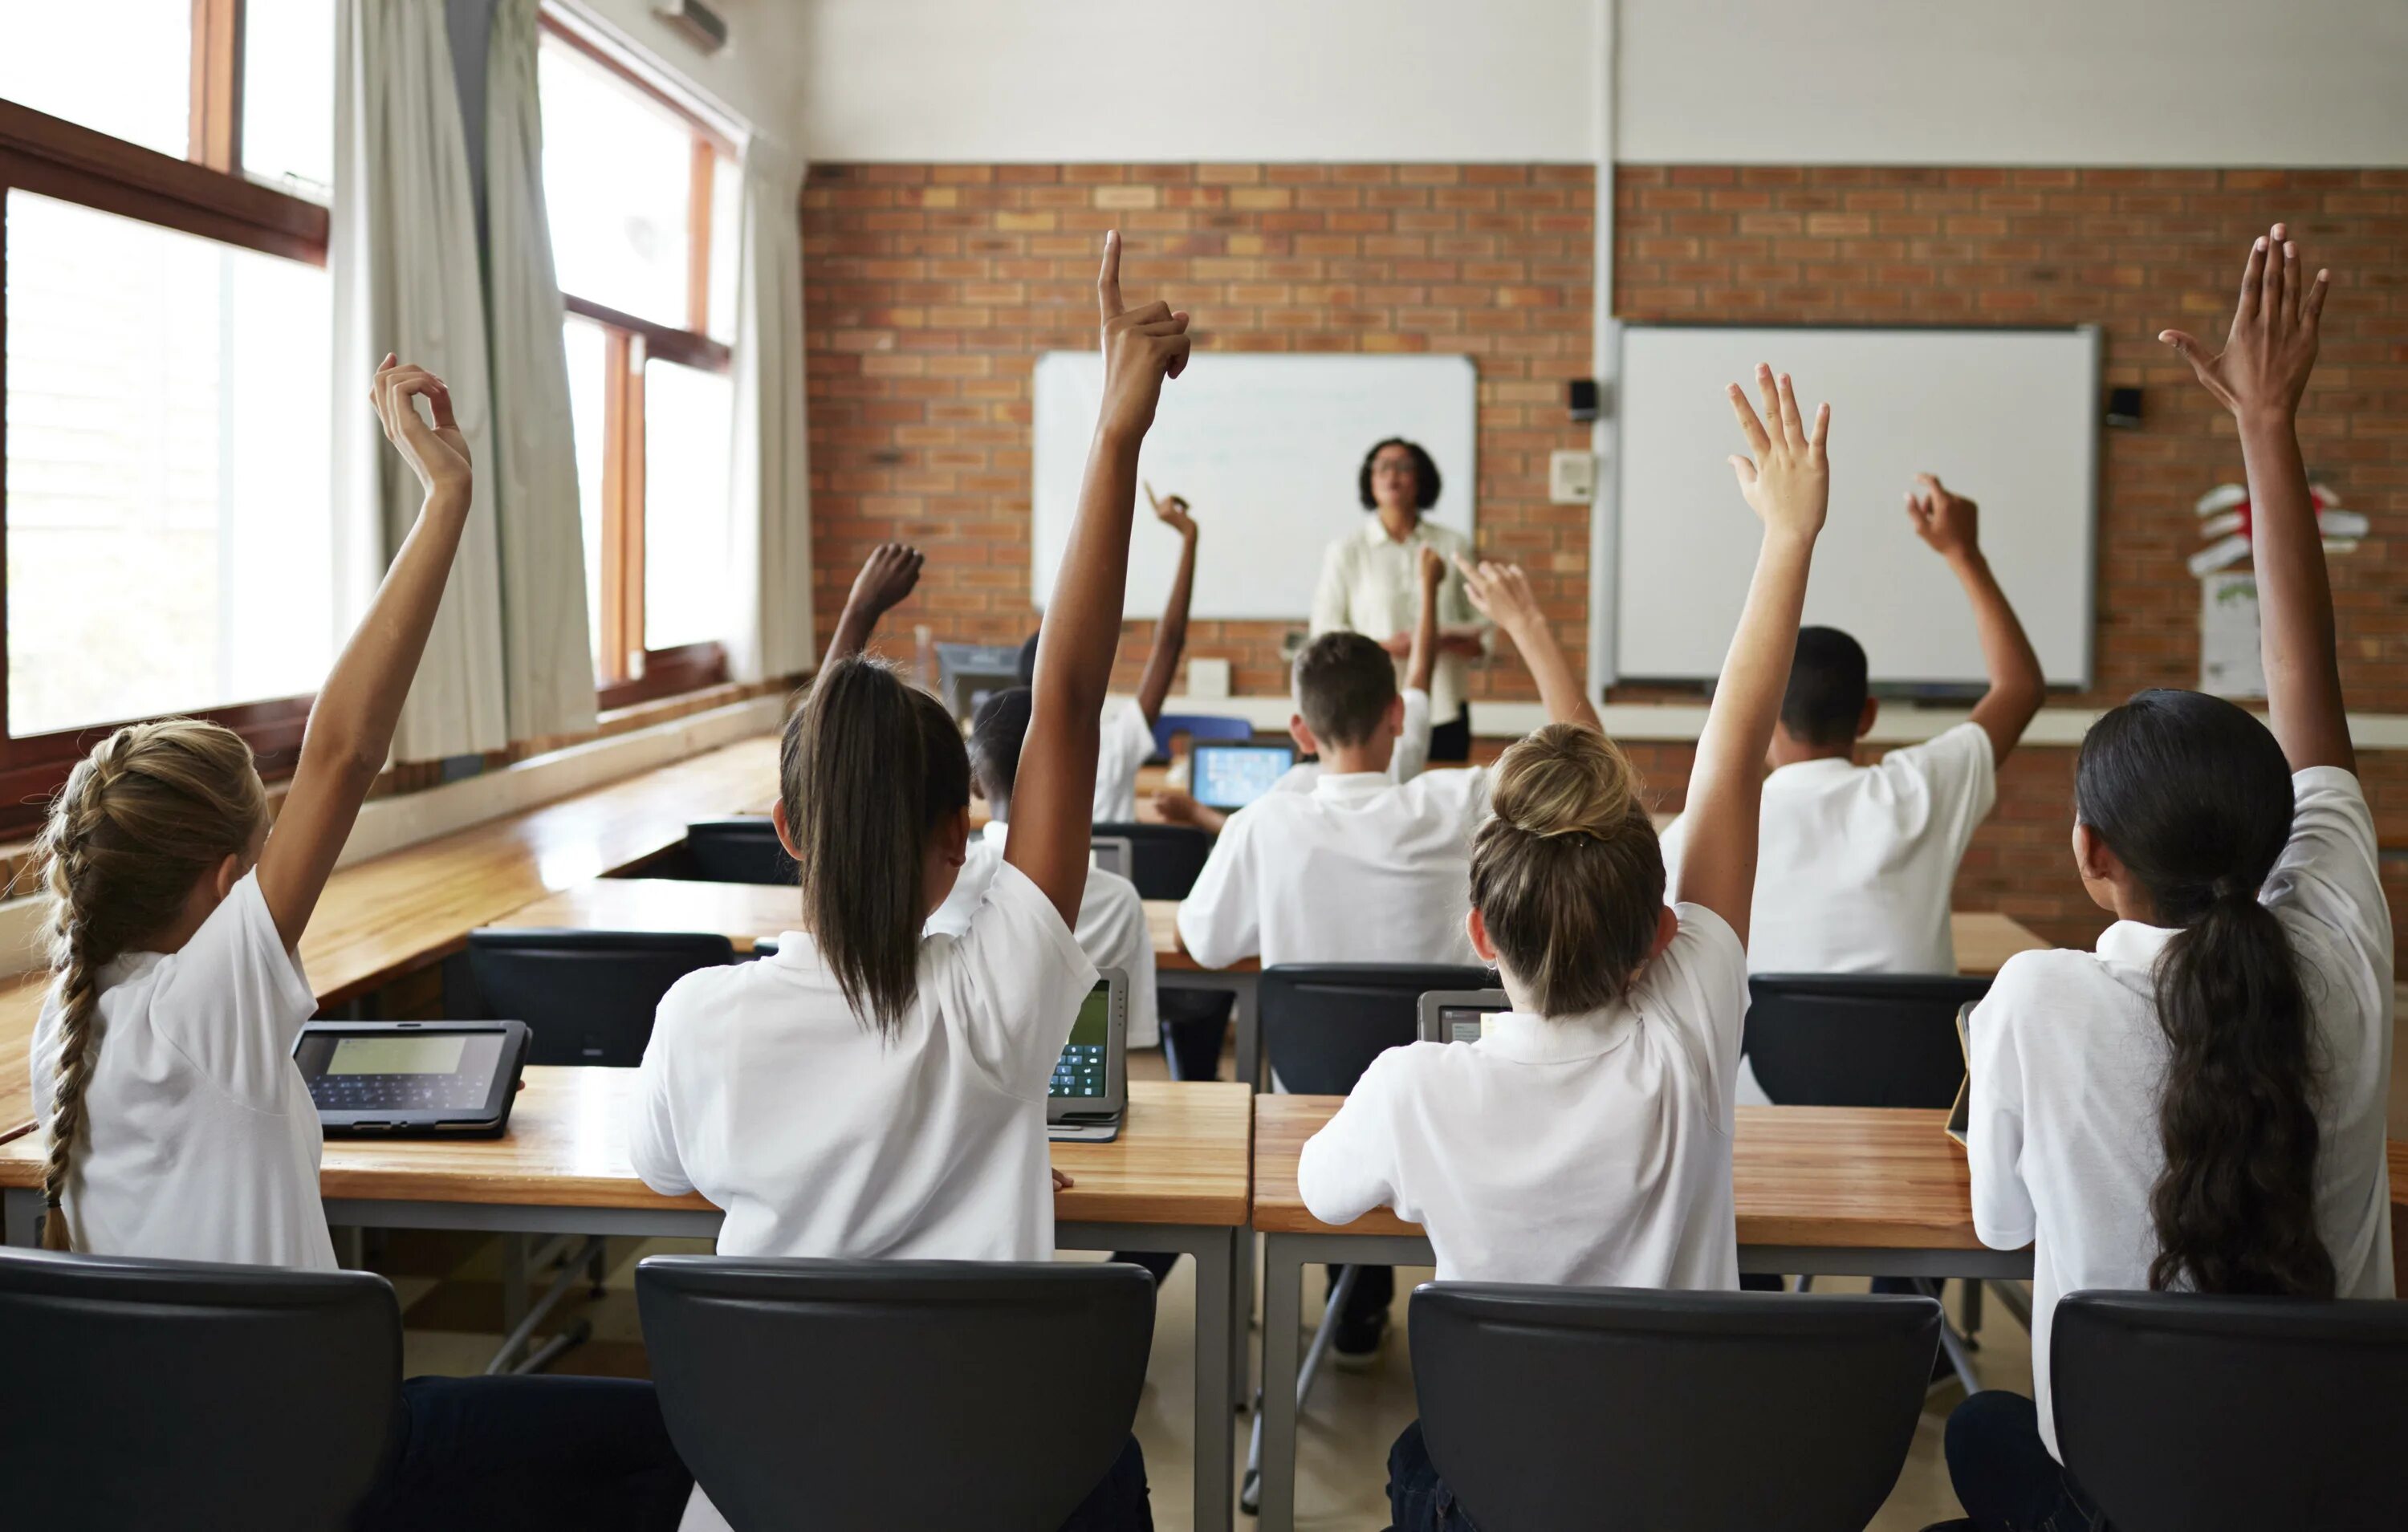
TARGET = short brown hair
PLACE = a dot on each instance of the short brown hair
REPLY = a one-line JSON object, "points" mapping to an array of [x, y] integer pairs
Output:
{"points": [[1568, 875], [1343, 684]]}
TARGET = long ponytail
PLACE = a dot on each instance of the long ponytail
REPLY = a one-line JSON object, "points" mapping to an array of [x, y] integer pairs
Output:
{"points": [[2194, 796], [869, 766], [153, 808]]}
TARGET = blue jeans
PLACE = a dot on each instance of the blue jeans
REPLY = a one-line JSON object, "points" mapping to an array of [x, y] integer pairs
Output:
{"points": [[579, 1454], [2003, 1474], [1418, 1498]]}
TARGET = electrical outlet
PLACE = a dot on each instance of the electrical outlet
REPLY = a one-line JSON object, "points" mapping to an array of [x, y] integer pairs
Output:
{"points": [[1571, 477], [1207, 679]]}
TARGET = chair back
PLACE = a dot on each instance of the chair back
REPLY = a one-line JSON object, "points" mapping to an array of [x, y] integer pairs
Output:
{"points": [[2181, 1413], [154, 1393], [1546, 1408], [862, 1395], [1195, 726], [1859, 1040], [1324, 1023], [586, 996], [1166, 859], [741, 850]]}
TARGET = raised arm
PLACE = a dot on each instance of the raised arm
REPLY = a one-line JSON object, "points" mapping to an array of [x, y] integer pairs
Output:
{"points": [[1049, 811], [887, 576], [2260, 376], [1501, 593], [1170, 634], [1422, 657], [1950, 523], [351, 723], [1787, 483]]}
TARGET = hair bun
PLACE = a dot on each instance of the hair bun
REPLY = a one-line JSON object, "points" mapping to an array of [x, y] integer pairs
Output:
{"points": [[1565, 780]]}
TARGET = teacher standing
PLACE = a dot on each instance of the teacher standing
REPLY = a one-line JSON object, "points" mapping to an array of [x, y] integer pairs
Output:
{"points": [[1368, 585]]}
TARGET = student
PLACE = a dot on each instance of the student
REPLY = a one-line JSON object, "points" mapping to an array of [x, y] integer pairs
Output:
{"points": [[1125, 739], [1363, 869], [868, 1093], [177, 1124], [1585, 1138], [2199, 1104], [1410, 757], [1858, 862]]}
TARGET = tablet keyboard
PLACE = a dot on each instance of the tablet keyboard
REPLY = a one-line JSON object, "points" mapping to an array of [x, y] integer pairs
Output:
{"points": [[1080, 1071], [397, 1093]]}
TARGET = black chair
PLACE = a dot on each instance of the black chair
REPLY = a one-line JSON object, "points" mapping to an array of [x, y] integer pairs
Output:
{"points": [[1324, 1023], [2178, 1413], [174, 1394], [586, 996], [1546, 1408], [1168, 858], [1859, 1040], [836, 1396], [742, 850]]}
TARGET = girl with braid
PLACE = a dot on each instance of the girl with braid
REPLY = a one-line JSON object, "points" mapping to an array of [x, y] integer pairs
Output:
{"points": [[177, 1125]]}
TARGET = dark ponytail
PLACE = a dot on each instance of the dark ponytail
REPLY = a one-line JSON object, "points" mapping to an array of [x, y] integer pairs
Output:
{"points": [[869, 766], [2194, 796]]}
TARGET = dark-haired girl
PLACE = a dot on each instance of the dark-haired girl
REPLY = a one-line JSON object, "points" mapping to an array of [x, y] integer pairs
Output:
{"points": [[1371, 584], [2199, 1103], [866, 1094]]}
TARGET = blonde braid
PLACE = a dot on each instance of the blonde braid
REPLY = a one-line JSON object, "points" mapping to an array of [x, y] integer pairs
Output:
{"points": [[151, 809]]}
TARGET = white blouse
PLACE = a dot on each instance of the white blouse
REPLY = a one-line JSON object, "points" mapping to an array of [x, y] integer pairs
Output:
{"points": [[1371, 584]]}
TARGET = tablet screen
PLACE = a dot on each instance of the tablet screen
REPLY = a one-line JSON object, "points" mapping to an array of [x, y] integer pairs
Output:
{"points": [[1462, 1024], [1079, 1073], [431, 1071], [1234, 776]]}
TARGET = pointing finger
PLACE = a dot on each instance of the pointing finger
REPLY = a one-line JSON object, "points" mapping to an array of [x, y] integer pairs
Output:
{"points": [[1108, 281]]}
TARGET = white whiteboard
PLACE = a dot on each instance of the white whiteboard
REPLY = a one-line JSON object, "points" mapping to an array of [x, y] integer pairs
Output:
{"points": [[2008, 417], [1266, 449]]}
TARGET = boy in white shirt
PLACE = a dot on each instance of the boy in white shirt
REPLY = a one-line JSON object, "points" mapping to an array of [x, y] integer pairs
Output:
{"points": [[1586, 1137]]}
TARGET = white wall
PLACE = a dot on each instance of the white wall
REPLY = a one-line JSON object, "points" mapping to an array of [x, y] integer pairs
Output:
{"points": [[2212, 82], [1198, 79], [756, 77]]}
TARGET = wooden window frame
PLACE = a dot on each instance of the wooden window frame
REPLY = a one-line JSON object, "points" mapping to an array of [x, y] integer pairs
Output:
{"points": [[205, 195], [627, 671]]}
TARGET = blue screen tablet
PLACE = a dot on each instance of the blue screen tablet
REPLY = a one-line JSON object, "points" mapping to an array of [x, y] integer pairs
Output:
{"points": [[1228, 777]]}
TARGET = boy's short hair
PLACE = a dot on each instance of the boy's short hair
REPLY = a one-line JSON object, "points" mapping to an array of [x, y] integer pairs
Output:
{"points": [[1345, 684], [1027, 665], [999, 727], [1825, 699]]}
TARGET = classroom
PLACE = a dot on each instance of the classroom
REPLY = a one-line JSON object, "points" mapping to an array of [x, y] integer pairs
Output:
{"points": [[1109, 765]]}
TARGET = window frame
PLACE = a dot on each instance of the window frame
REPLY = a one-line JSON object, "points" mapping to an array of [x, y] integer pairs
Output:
{"points": [[629, 671], [203, 195]]}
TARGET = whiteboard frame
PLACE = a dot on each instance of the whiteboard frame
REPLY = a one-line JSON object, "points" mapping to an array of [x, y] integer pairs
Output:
{"points": [[1605, 572]]}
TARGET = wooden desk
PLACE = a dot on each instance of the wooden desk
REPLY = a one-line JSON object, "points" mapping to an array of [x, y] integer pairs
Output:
{"points": [[1985, 940], [744, 913], [1178, 1179]]}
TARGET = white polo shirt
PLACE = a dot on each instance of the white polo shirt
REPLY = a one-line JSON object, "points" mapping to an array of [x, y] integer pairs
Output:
{"points": [[1112, 931], [1412, 757], [764, 1090], [1591, 1150], [1856, 865], [1125, 743], [200, 1140], [2069, 1068], [1360, 869]]}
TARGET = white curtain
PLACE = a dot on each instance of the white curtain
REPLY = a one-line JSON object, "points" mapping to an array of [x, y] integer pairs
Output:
{"points": [[769, 546], [547, 649], [401, 246]]}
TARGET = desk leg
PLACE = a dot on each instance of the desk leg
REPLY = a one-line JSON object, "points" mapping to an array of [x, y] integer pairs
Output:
{"points": [[1242, 1311], [1248, 1020], [1214, 1386], [24, 1216], [1282, 1325]]}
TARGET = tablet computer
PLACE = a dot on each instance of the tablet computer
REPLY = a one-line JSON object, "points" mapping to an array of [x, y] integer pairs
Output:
{"points": [[1226, 776], [1090, 1089], [1960, 1116], [1459, 1015], [394, 1078]]}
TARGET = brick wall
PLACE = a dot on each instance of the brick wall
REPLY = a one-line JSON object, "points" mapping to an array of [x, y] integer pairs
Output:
{"points": [[930, 291]]}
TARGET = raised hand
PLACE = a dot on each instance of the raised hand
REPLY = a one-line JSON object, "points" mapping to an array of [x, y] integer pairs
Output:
{"points": [[2272, 347], [438, 455], [1142, 347], [1170, 509], [1948, 523], [886, 578], [1431, 568], [1789, 481], [1501, 593]]}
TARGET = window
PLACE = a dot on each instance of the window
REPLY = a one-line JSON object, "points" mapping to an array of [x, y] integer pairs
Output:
{"points": [[642, 196], [166, 334]]}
